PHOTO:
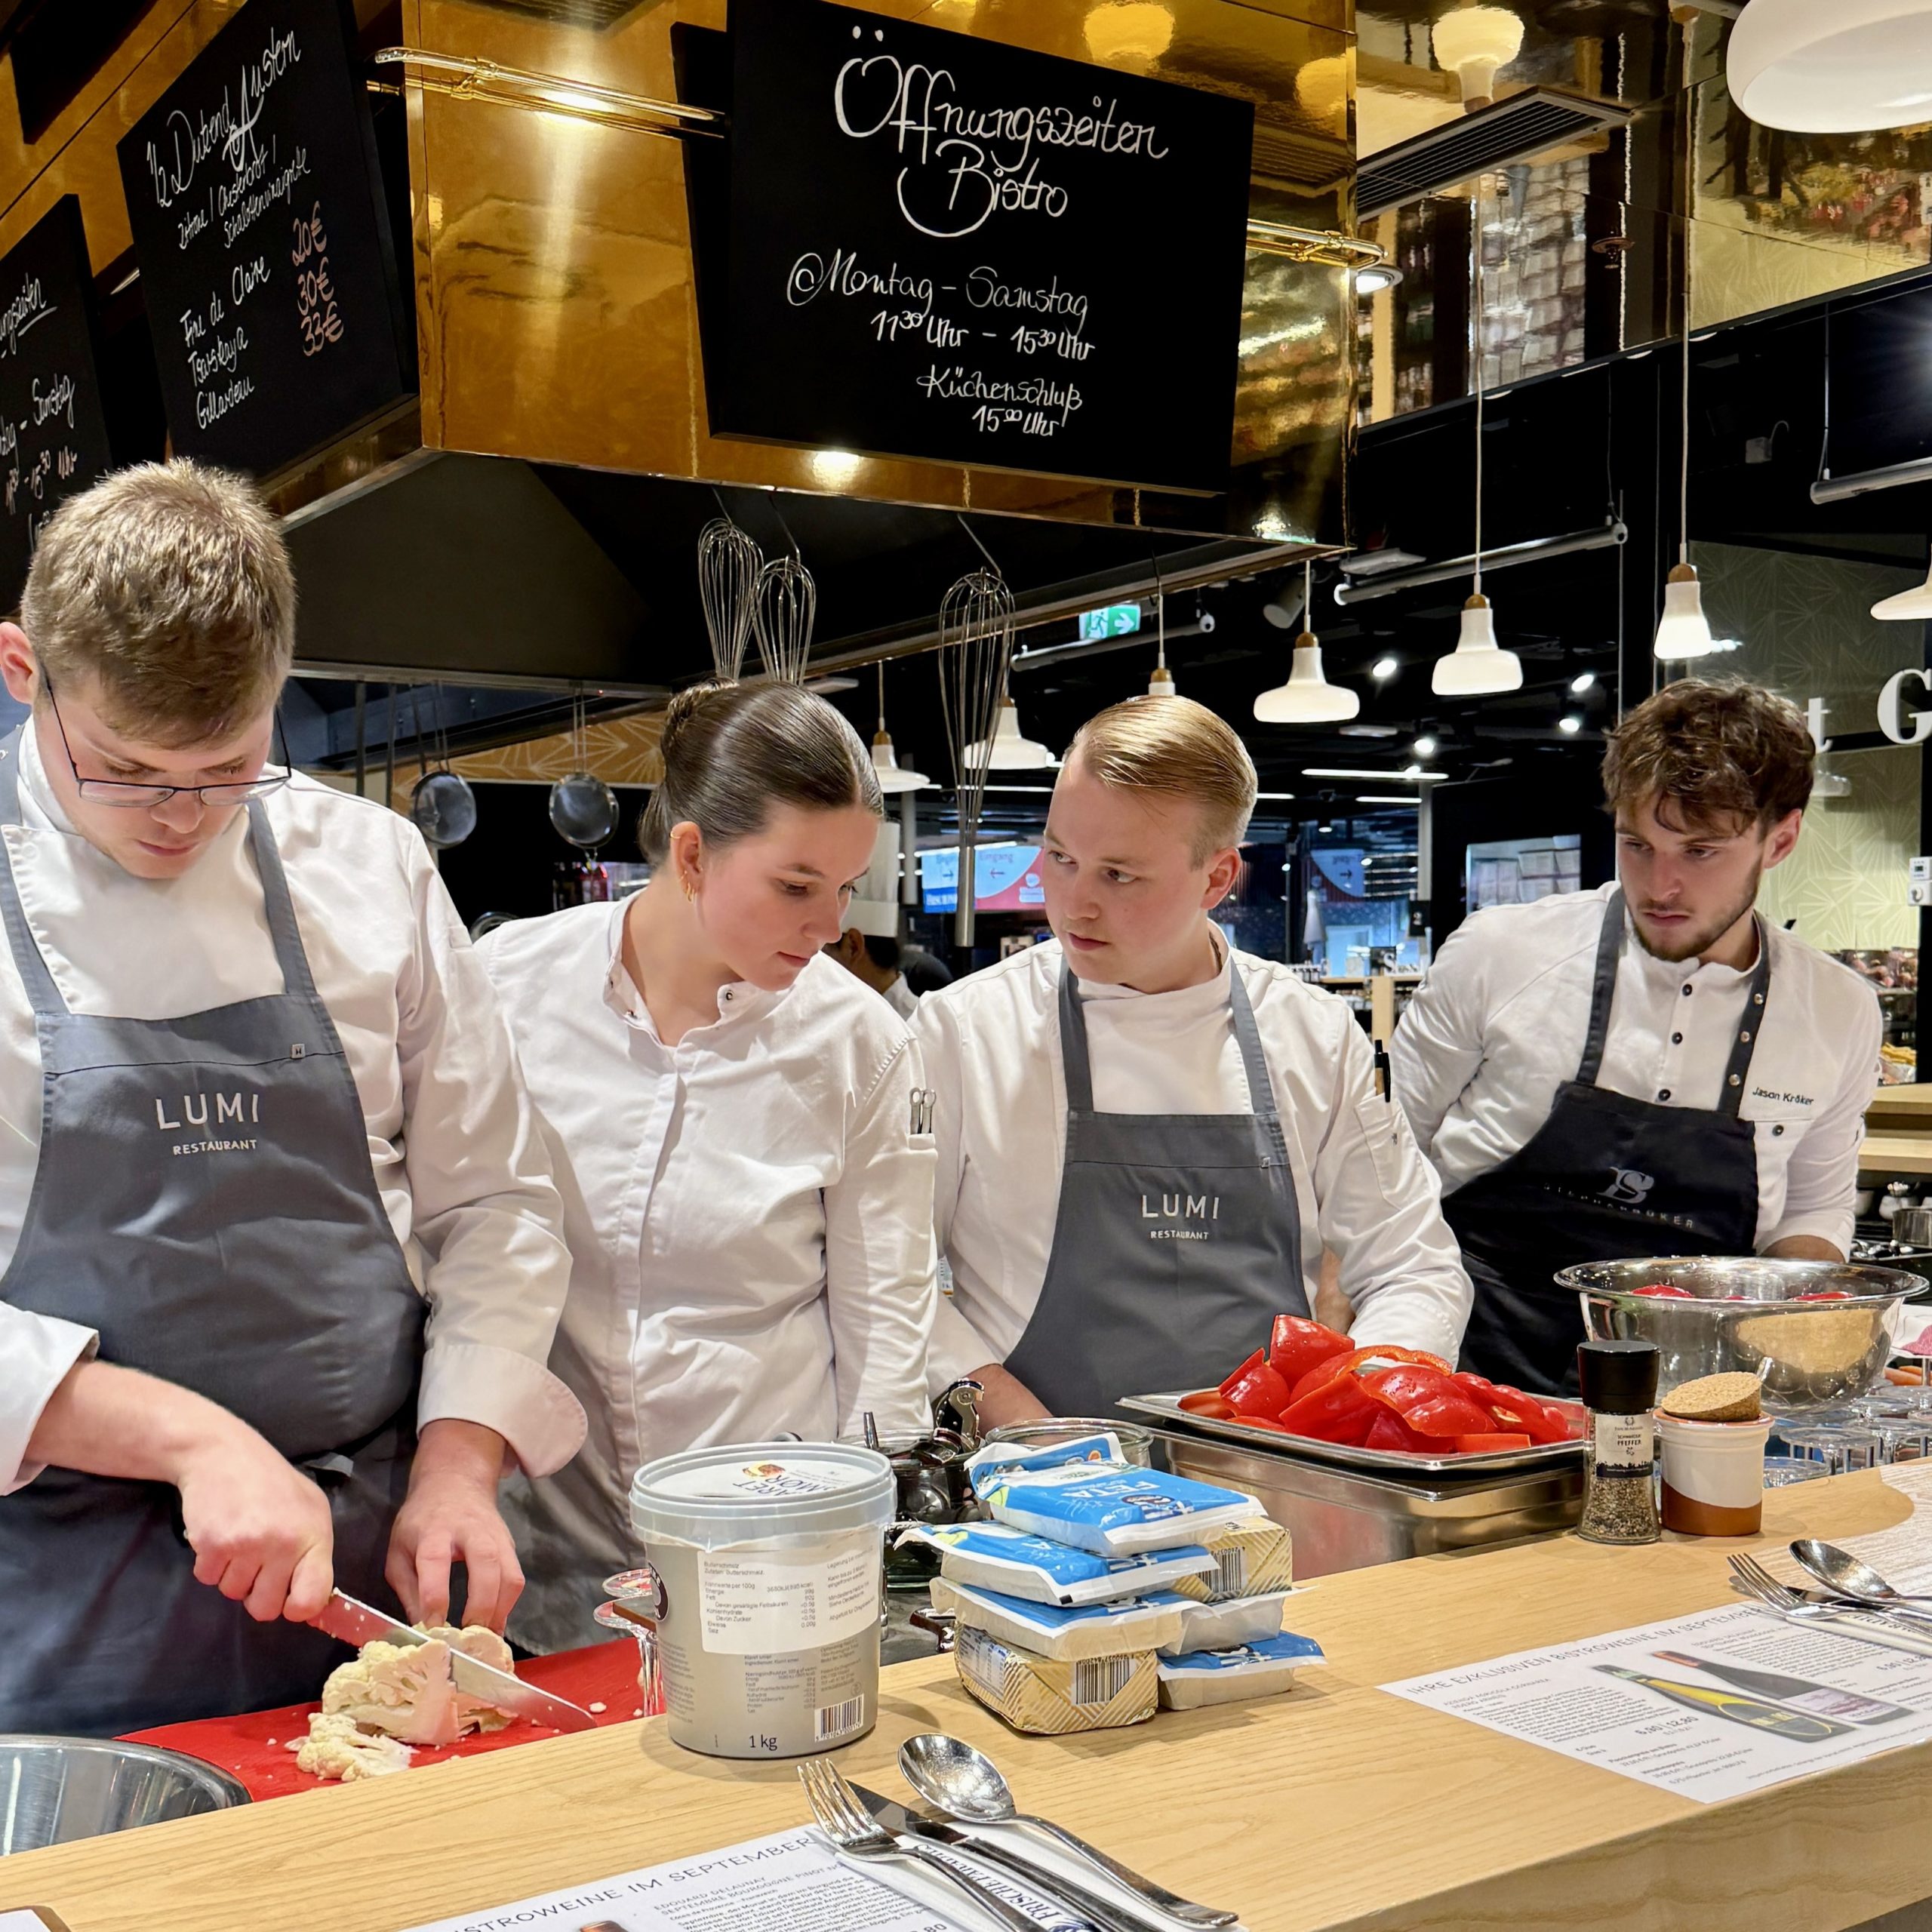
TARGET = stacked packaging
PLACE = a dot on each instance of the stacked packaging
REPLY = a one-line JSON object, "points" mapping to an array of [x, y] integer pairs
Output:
{"points": [[1100, 1591]]}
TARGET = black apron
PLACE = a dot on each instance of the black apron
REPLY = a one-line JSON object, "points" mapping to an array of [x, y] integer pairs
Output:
{"points": [[1177, 1241], [205, 1199], [1605, 1178]]}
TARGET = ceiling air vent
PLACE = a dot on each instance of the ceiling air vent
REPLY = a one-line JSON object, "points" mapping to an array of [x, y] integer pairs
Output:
{"points": [[1519, 128]]}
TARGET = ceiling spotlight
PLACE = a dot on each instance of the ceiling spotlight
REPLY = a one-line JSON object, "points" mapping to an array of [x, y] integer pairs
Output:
{"points": [[1383, 669], [1584, 681], [1569, 725], [1424, 746], [1377, 277], [1283, 609]]}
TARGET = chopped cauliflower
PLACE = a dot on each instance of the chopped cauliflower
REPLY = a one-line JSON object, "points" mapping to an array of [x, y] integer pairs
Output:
{"points": [[335, 1748], [403, 1690]]}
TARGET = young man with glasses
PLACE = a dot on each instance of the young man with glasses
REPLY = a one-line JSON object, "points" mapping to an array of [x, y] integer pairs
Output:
{"points": [[282, 1259]]}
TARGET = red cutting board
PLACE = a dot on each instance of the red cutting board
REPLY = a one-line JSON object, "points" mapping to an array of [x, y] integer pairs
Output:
{"points": [[250, 1748]]}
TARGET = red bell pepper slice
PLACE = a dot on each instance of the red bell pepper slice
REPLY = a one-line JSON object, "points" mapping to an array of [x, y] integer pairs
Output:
{"points": [[1298, 1345], [1451, 1414], [1261, 1422], [1254, 1361], [1483, 1445], [1337, 1366], [1258, 1391], [1662, 1290], [1341, 1411], [1208, 1402], [1825, 1295], [1388, 1431], [1510, 1410], [1405, 1386]]}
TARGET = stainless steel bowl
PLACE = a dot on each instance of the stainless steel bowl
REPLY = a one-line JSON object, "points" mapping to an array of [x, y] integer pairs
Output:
{"points": [[58, 1789], [1746, 1314]]}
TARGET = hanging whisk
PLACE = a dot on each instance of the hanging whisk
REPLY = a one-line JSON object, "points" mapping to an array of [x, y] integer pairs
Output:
{"points": [[783, 613], [728, 563], [976, 652]]}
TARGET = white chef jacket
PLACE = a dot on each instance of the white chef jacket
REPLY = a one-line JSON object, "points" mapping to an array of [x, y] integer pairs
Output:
{"points": [[902, 1000], [749, 1218], [457, 1160], [1499, 1023], [992, 1053]]}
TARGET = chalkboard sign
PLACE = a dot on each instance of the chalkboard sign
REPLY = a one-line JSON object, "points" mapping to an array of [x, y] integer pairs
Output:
{"points": [[941, 247], [53, 434], [263, 245]]}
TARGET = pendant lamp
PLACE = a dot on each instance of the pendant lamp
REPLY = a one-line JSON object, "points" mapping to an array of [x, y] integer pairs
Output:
{"points": [[1308, 697], [1162, 684], [1010, 749], [1851, 66], [1471, 43], [893, 777], [1684, 632], [1908, 604], [1479, 667]]}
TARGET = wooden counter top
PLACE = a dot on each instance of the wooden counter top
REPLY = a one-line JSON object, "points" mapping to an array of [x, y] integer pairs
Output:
{"points": [[1337, 1807]]}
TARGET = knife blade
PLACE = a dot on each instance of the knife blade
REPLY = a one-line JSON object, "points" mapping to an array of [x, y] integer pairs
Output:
{"points": [[357, 1624], [1102, 1915]]}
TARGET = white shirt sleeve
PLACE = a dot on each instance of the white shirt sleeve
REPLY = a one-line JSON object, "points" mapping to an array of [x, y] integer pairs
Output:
{"points": [[37, 1352], [879, 1258], [1821, 1177], [957, 1347], [1381, 1216], [1439, 1041], [485, 1209]]}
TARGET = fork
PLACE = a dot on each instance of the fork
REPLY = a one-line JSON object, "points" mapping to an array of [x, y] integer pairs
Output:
{"points": [[1801, 1606], [856, 1833]]}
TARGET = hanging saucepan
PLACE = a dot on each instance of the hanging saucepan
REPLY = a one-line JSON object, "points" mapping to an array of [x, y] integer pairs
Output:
{"points": [[583, 809], [444, 807]]}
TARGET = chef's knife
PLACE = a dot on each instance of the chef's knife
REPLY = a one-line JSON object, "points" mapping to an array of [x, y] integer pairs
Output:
{"points": [[356, 1623], [1103, 1915]]}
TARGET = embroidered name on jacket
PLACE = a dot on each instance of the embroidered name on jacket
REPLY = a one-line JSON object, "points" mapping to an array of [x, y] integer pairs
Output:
{"points": [[210, 1110]]}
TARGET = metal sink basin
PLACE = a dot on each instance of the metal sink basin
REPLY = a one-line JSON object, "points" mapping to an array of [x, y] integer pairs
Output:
{"points": [[54, 1790]]}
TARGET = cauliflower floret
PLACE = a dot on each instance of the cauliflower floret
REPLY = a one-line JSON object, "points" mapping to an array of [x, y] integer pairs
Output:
{"points": [[403, 1690], [335, 1749]]}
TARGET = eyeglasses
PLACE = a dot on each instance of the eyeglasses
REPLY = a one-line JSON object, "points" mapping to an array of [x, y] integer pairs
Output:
{"points": [[116, 791]]}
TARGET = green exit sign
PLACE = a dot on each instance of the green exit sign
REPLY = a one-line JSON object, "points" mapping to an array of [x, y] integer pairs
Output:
{"points": [[1116, 621]]}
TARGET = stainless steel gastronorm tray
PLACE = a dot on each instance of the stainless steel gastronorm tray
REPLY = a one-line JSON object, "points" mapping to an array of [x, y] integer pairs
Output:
{"points": [[1394, 1462]]}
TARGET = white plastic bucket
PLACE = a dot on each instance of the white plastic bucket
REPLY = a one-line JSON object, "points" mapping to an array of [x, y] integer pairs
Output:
{"points": [[770, 1561]]}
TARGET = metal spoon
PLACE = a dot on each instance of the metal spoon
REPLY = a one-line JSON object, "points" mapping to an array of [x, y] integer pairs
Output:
{"points": [[1845, 1575], [953, 1777]]}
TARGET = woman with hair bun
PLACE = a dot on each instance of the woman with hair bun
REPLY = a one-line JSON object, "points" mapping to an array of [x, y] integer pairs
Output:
{"points": [[747, 1182]]}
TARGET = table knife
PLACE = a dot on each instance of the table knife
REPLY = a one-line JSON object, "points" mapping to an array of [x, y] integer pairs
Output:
{"points": [[357, 1624], [1103, 1915]]}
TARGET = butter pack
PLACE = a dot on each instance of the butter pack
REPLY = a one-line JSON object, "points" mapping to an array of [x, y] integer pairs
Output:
{"points": [[1252, 1557], [1226, 1626], [1050, 1699], [1067, 1636]]}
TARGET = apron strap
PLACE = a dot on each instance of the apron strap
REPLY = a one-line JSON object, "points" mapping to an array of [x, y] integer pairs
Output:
{"points": [[296, 979], [43, 995], [1745, 1044], [1610, 951], [1077, 1060]]}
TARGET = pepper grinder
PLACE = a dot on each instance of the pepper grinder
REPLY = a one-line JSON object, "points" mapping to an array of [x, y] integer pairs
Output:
{"points": [[1620, 1389]]}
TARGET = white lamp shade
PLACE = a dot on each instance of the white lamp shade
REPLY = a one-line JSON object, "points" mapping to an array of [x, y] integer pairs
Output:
{"points": [[1011, 749], [1907, 605], [1684, 632], [1478, 665], [1471, 42], [1308, 697], [1162, 684], [1832, 66], [894, 777]]}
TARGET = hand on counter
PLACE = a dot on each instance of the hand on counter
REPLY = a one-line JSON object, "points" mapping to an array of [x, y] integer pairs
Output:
{"points": [[451, 1517]]}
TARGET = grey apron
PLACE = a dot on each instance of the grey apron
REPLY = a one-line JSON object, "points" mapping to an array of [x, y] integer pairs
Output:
{"points": [[205, 1199], [1177, 1242]]}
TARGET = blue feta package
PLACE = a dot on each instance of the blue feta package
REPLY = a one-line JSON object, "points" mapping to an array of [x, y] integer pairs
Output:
{"points": [[1263, 1670], [1113, 1511], [1066, 1636], [994, 1556], [1013, 1459]]}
